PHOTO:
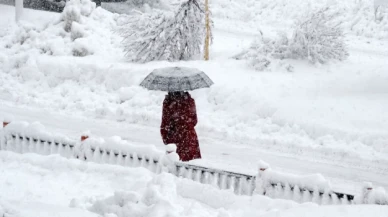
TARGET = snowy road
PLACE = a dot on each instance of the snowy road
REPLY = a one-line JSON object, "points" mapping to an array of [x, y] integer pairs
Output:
{"points": [[217, 153]]}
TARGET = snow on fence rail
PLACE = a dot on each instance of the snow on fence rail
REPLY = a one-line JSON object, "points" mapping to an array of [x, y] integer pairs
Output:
{"points": [[22, 137]]}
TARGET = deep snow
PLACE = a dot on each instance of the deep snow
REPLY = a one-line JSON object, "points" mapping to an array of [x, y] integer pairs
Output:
{"points": [[33, 185], [320, 118]]}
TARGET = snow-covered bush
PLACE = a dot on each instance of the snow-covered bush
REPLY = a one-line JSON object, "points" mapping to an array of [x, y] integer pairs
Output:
{"points": [[318, 37], [164, 37], [265, 50]]}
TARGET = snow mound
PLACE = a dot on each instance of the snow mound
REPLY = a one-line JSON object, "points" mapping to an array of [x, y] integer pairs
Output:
{"points": [[60, 187], [166, 195], [6, 209], [81, 30]]}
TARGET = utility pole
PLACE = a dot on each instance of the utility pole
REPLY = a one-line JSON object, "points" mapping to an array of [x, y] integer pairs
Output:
{"points": [[18, 9], [207, 37]]}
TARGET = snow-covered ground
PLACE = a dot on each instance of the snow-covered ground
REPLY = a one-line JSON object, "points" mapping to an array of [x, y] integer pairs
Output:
{"points": [[329, 118], [33, 185]]}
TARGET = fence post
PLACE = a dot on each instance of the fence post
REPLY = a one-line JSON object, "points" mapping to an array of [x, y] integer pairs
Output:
{"points": [[84, 137], [367, 189], [168, 161], [5, 123], [261, 183], [82, 155]]}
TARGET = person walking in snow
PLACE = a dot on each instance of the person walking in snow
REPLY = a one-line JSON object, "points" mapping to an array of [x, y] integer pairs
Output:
{"points": [[179, 118], [179, 112]]}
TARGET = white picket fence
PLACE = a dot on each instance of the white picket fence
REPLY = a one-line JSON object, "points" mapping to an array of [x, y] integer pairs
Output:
{"points": [[24, 138]]}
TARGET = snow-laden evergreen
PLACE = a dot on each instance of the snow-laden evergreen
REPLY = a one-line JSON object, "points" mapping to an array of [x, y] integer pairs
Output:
{"points": [[161, 36]]}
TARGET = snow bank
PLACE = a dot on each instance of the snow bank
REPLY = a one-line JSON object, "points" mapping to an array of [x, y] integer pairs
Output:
{"points": [[53, 182], [330, 211], [167, 195], [164, 196], [6, 209], [75, 187], [81, 30], [62, 186]]}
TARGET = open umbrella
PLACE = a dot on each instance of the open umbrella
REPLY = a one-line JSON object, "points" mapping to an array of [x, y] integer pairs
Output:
{"points": [[173, 79]]}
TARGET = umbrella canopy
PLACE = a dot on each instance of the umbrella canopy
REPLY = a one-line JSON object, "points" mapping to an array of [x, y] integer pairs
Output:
{"points": [[173, 79]]}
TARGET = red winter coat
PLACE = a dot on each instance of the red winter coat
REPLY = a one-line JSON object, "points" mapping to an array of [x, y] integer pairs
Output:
{"points": [[178, 121]]}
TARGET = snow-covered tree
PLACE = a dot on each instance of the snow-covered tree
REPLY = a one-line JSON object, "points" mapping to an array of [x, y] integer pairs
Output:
{"points": [[165, 37], [318, 37]]}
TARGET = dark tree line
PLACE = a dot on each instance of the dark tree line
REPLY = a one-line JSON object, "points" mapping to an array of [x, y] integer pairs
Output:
{"points": [[50, 5]]}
